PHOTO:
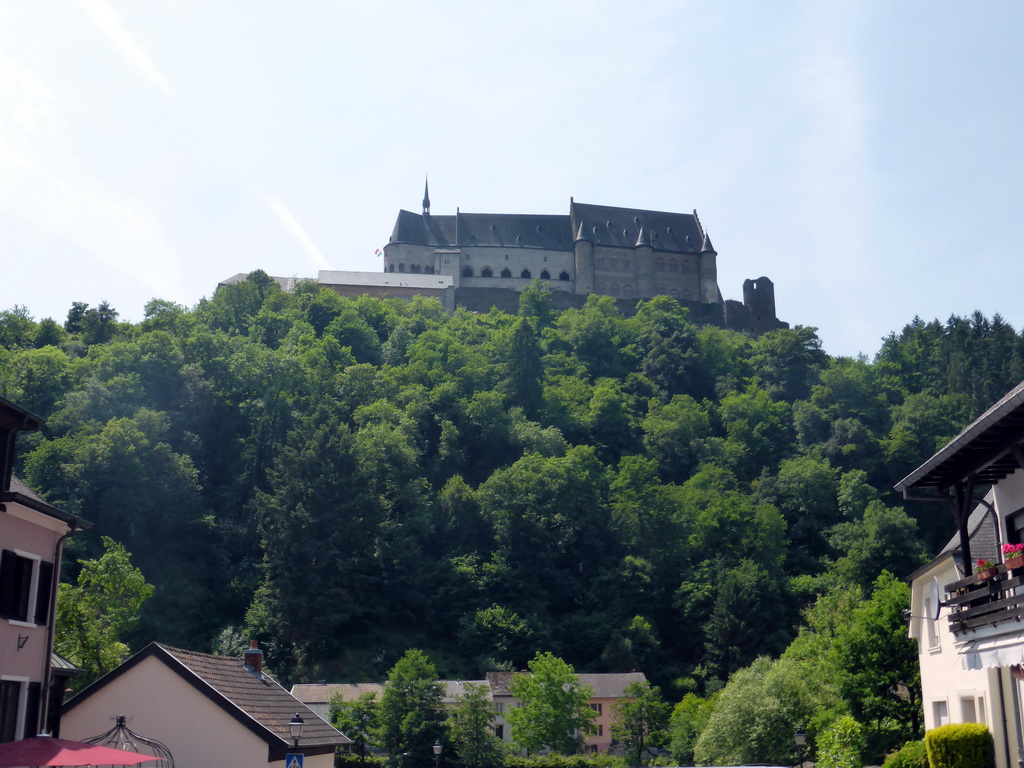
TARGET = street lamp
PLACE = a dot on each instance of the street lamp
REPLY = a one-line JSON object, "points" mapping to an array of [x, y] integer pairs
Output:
{"points": [[437, 752], [800, 738], [296, 728]]}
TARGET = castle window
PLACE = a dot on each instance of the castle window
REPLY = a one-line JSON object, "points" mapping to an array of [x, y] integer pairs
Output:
{"points": [[672, 266], [627, 291], [627, 264], [486, 272], [506, 257], [506, 272], [401, 267], [614, 290], [688, 295], [600, 288], [545, 275], [685, 267], [525, 274], [430, 270], [391, 268], [563, 276], [415, 269], [659, 265], [674, 293], [600, 262], [467, 272]]}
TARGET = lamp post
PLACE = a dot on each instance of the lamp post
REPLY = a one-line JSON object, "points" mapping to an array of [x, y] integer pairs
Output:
{"points": [[437, 753], [800, 739], [295, 726]]}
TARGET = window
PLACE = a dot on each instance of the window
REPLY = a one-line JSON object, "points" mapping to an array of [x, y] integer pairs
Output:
{"points": [[430, 270], [687, 295], [499, 731], [627, 291], [685, 268], [672, 266], [525, 274], [506, 272], [499, 707], [25, 582], [968, 711], [486, 272], [415, 269], [600, 288], [600, 729], [600, 262], [18, 699], [659, 265], [674, 293], [940, 713], [599, 708], [467, 272], [545, 275], [563, 276], [391, 268], [614, 290], [401, 267]]}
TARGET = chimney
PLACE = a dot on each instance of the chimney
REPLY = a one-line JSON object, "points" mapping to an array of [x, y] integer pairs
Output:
{"points": [[254, 658]]}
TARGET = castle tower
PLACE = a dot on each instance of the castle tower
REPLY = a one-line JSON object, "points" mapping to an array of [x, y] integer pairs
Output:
{"points": [[584, 252], [708, 271], [426, 197], [644, 260]]}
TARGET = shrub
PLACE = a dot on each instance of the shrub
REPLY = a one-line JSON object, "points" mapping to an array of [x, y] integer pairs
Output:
{"points": [[960, 745], [911, 755], [841, 744]]}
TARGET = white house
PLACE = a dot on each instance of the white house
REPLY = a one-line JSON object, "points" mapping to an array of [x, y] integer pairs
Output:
{"points": [[968, 625]]}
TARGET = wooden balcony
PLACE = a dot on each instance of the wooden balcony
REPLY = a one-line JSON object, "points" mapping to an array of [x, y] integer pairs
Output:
{"points": [[976, 602]]}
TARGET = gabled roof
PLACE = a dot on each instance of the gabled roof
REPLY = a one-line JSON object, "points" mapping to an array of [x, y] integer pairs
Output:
{"points": [[984, 450], [255, 700], [20, 493], [610, 685]]}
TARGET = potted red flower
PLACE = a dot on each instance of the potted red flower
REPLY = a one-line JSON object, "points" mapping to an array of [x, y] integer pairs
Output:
{"points": [[986, 569], [1013, 556]]}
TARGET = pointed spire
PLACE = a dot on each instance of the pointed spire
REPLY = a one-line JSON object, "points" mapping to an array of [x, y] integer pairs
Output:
{"points": [[706, 246], [642, 239], [426, 197], [579, 232]]}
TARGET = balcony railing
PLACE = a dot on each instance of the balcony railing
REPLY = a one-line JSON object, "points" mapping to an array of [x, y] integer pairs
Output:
{"points": [[976, 602]]}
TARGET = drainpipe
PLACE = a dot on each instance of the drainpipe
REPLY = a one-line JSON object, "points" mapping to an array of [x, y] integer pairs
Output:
{"points": [[42, 723]]}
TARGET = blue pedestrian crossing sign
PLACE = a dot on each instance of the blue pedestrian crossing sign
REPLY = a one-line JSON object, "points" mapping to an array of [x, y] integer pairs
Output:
{"points": [[293, 760]]}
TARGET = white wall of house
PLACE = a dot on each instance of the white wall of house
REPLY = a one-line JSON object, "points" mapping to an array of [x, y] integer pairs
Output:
{"points": [[165, 707]]}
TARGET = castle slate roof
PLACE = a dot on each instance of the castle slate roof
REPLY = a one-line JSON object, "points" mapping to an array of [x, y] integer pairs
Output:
{"points": [[254, 699], [602, 225]]}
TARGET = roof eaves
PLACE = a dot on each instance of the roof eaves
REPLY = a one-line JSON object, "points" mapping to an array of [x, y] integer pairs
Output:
{"points": [[1012, 401]]}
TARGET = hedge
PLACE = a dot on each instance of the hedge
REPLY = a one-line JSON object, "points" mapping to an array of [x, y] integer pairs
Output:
{"points": [[960, 745]]}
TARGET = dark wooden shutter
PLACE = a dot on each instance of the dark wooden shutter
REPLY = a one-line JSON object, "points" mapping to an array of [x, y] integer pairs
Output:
{"points": [[8, 567], [32, 702], [43, 593]]}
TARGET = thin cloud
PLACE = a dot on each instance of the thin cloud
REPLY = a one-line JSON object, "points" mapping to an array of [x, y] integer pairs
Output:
{"points": [[104, 17], [292, 226]]}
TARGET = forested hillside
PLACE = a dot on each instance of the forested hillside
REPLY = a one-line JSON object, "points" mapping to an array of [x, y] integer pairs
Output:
{"points": [[348, 478]]}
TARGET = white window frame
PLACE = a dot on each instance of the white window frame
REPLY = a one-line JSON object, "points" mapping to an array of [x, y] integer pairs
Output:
{"points": [[33, 591], [19, 726]]}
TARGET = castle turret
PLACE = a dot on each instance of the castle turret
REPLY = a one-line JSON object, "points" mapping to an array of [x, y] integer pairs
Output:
{"points": [[426, 197], [708, 272], [644, 260], [584, 252]]}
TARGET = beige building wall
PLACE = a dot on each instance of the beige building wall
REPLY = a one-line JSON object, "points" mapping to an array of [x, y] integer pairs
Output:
{"points": [[163, 706], [23, 644]]}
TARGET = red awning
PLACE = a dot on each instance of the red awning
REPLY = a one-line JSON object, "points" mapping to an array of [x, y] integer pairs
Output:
{"points": [[46, 750]]}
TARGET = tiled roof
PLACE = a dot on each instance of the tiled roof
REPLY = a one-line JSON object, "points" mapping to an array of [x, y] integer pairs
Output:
{"points": [[22, 494], [610, 686], [321, 693], [258, 696], [500, 682], [17, 486]]}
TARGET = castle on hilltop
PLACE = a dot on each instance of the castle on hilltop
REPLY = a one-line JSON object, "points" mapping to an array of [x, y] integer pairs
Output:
{"points": [[481, 260]]}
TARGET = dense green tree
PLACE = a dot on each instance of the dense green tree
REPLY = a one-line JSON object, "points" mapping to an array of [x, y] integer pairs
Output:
{"points": [[640, 720], [411, 713], [471, 729], [359, 719], [688, 719], [554, 709], [96, 614]]}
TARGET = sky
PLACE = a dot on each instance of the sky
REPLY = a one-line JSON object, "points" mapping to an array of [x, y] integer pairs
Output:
{"points": [[865, 156]]}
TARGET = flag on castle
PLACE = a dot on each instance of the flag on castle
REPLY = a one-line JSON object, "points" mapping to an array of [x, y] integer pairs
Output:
{"points": [[377, 252]]}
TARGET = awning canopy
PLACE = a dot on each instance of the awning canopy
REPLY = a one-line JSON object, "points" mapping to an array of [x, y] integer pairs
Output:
{"points": [[992, 652]]}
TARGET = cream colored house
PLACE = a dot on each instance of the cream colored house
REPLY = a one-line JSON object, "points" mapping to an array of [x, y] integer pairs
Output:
{"points": [[606, 689], [968, 626], [208, 710], [32, 534]]}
